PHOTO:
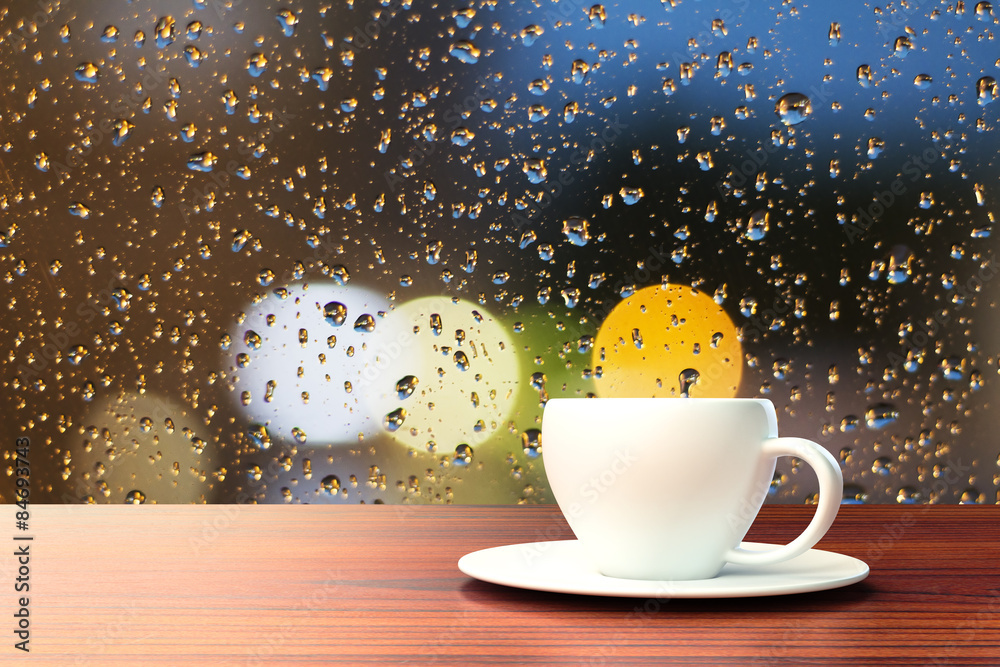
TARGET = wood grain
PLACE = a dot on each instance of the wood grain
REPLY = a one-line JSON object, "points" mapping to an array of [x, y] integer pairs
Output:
{"points": [[253, 585]]}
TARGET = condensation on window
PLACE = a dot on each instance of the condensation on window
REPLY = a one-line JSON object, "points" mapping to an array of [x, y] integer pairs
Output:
{"points": [[345, 252]]}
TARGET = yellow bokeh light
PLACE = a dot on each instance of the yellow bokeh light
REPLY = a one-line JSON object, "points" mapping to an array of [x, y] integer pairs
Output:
{"points": [[458, 370], [649, 339]]}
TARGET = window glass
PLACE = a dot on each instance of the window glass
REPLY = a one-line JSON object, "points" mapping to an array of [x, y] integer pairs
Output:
{"points": [[346, 251]]}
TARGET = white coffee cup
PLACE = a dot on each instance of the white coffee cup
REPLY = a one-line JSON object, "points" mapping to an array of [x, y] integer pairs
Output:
{"points": [[666, 488]]}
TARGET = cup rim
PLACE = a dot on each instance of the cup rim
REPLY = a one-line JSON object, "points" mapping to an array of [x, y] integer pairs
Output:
{"points": [[771, 413], [700, 399]]}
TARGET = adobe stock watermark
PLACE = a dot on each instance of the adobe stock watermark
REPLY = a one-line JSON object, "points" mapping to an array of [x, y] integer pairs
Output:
{"points": [[890, 23], [569, 9], [954, 473], [757, 159], [117, 633], [914, 342], [425, 146], [882, 200], [589, 491], [158, 411], [553, 189], [219, 180], [320, 599], [58, 343], [27, 27], [636, 619], [966, 633], [122, 108]]}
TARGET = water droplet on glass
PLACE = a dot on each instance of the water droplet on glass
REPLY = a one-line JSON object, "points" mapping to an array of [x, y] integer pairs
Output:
{"points": [[259, 436], [875, 147], [80, 210], [406, 386], [530, 33], [330, 485], [793, 108], [193, 55], [287, 20], [435, 324], [87, 72], [463, 17], [135, 497], [880, 415], [394, 419], [202, 161], [165, 31], [576, 231], [531, 442], [986, 90], [77, 354], [364, 322], [335, 313], [465, 51], [688, 378], [231, 101], [631, 195], [256, 64], [757, 226], [534, 169], [463, 455], [252, 339], [902, 46], [864, 75], [952, 368]]}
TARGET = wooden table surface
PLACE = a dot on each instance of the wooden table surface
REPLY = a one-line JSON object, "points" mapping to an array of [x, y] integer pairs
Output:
{"points": [[254, 585]]}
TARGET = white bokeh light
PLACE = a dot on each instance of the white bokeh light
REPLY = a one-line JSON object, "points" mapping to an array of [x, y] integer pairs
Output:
{"points": [[309, 400]]}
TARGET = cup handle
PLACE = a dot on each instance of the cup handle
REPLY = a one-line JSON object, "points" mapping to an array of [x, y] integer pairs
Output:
{"points": [[831, 492]]}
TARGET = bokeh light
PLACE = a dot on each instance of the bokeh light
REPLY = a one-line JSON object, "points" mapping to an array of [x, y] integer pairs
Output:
{"points": [[452, 377], [649, 340], [299, 354]]}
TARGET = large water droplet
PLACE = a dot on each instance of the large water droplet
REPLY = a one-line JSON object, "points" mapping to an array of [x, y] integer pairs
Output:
{"points": [[77, 354], [202, 161], [394, 419], [531, 442], [986, 90], [335, 313], [88, 72], [330, 485], [465, 51], [688, 378], [406, 386], [287, 20], [576, 231], [793, 108], [135, 497], [165, 31], [530, 33], [880, 415], [757, 226], [463, 455]]}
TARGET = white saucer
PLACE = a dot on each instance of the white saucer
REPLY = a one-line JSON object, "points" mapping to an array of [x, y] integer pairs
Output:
{"points": [[562, 567]]}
